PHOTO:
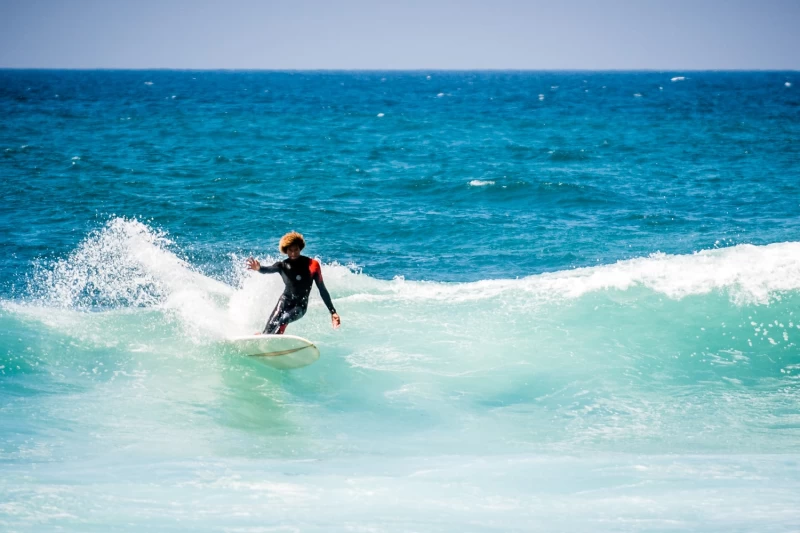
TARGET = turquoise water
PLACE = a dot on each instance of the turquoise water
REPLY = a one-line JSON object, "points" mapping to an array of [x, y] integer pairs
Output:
{"points": [[569, 301]]}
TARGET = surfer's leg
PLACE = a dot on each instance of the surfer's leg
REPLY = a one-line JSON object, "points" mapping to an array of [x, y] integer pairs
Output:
{"points": [[285, 312], [274, 321], [290, 314]]}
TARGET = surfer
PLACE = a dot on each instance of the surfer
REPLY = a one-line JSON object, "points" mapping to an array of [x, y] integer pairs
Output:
{"points": [[298, 273]]}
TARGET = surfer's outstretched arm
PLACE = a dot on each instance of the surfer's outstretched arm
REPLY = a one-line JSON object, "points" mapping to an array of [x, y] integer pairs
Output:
{"points": [[316, 274], [253, 264]]}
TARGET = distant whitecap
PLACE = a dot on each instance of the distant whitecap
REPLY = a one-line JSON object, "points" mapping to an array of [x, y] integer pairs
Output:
{"points": [[440, 95], [380, 115], [678, 78], [148, 83], [481, 183], [173, 96], [427, 77], [541, 97], [637, 95], [788, 84], [76, 158]]}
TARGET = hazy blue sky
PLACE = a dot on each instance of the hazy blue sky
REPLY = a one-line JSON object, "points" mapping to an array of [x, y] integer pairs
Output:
{"points": [[490, 34]]}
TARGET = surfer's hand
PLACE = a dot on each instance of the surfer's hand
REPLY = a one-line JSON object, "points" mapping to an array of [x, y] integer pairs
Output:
{"points": [[253, 264], [335, 320]]}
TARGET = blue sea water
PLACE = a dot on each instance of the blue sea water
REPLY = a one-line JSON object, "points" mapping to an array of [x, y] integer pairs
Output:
{"points": [[568, 301]]}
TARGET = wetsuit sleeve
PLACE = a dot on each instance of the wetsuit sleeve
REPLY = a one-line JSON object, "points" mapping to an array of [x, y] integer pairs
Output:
{"points": [[271, 269], [316, 275]]}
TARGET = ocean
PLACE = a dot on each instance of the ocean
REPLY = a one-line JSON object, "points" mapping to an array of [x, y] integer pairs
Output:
{"points": [[567, 298]]}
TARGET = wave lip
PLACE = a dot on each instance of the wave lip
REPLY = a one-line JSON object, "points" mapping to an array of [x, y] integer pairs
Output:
{"points": [[749, 274], [128, 264]]}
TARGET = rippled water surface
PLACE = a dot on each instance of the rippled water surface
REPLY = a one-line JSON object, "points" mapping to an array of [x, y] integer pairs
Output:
{"points": [[568, 301]]}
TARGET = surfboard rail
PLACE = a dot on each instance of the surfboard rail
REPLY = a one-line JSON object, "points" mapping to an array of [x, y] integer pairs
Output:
{"points": [[284, 352]]}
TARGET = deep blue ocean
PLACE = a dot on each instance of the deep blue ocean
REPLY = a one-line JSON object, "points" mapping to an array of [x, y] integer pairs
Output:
{"points": [[567, 301]]}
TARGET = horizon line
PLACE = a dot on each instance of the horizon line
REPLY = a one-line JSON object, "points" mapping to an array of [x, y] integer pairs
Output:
{"points": [[438, 69]]}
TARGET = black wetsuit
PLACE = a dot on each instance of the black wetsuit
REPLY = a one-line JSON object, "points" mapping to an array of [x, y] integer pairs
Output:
{"points": [[298, 276]]}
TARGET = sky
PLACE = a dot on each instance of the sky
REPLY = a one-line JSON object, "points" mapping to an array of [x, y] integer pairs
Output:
{"points": [[407, 35]]}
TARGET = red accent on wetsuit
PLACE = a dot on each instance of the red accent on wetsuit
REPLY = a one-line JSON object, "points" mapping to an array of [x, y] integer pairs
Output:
{"points": [[316, 270]]}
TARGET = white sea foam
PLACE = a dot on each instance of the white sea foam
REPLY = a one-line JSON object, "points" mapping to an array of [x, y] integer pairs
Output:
{"points": [[788, 84], [148, 83], [380, 115], [748, 274], [481, 183], [678, 78], [128, 264]]}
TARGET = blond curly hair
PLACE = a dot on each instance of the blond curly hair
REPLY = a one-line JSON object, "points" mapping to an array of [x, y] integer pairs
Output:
{"points": [[290, 239]]}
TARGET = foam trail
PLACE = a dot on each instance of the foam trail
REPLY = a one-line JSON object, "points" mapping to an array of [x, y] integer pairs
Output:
{"points": [[127, 264]]}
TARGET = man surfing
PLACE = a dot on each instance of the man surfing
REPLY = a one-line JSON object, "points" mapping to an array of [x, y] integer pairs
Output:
{"points": [[299, 273]]}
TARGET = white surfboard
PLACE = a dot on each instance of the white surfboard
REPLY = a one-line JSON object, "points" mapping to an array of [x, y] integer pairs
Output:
{"points": [[278, 351]]}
